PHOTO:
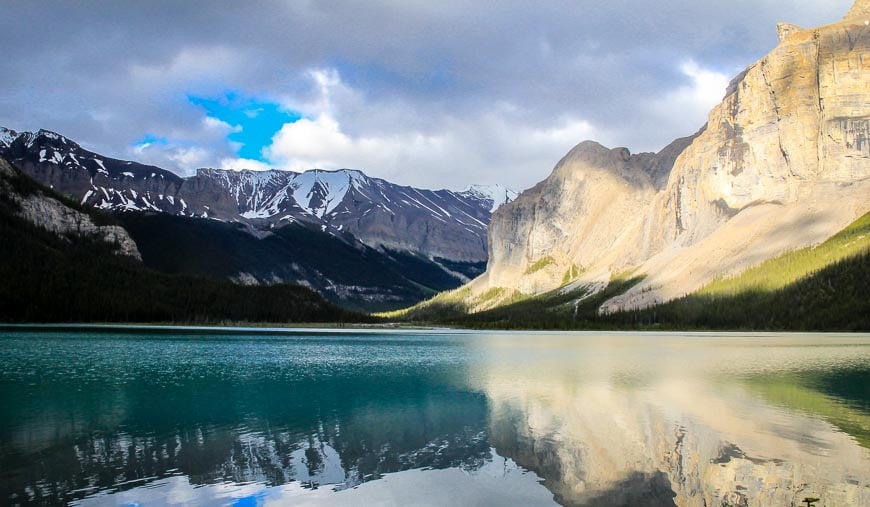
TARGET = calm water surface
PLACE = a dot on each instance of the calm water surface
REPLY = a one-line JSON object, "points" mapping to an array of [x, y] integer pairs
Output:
{"points": [[433, 418]]}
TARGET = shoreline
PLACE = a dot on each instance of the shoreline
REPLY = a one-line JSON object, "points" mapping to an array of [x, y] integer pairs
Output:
{"points": [[333, 328]]}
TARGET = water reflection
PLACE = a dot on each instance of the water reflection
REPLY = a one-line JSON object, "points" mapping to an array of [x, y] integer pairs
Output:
{"points": [[639, 420], [110, 413], [603, 419]]}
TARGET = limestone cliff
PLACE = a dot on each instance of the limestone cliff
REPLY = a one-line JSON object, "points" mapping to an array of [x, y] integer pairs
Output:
{"points": [[782, 163], [56, 217]]}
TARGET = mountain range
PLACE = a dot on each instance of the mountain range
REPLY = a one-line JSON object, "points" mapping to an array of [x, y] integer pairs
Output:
{"points": [[781, 167], [362, 241], [761, 218]]}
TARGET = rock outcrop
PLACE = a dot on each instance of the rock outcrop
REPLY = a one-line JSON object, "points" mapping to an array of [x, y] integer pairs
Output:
{"points": [[56, 217], [782, 163]]}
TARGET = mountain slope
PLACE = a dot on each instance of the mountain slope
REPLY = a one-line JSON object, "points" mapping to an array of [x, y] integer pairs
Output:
{"points": [[74, 264], [341, 268], [442, 223], [363, 242], [783, 163], [814, 288]]}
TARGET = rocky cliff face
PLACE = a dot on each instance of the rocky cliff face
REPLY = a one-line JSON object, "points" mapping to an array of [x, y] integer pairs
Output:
{"points": [[435, 223], [54, 216], [783, 163]]}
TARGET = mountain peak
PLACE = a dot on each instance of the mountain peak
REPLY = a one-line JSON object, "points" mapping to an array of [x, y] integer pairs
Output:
{"points": [[861, 8], [7, 136]]}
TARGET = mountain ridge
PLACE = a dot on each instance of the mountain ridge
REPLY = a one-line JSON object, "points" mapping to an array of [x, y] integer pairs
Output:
{"points": [[437, 223]]}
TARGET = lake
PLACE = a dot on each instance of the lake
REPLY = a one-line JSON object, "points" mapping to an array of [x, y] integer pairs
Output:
{"points": [[314, 417]]}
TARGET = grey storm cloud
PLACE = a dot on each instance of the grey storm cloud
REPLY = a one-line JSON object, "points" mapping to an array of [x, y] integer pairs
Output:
{"points": [[465, 78]]}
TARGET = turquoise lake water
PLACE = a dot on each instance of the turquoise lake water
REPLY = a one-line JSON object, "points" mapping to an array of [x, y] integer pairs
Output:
{"points": [[316, 417]]}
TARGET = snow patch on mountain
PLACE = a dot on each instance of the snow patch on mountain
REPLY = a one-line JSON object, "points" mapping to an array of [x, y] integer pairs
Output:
{"points": [[320, 192], [7, 136]]}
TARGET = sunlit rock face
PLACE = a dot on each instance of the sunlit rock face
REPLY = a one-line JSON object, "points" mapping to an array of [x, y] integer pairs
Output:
{"points": [[723, 430], [782, 163], [589, 201]]}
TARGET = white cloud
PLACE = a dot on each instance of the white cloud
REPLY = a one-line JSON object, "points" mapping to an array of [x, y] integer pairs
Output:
{"points": [[191, 157], [689, 104], [141, 147], [324, 93], [206, 63], [484, 150], [212, 123], [239, 164], [320, 139], [182, 159], [495, 147], [418, 97]]}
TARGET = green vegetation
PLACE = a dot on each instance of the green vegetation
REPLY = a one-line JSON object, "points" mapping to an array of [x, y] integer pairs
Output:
{"points": [[540, 264], [779, 272], [834, 298], [571, 273], [441, 307], [817, 288], [496, 295], [554, 310], [47, 278], [446, 306]]}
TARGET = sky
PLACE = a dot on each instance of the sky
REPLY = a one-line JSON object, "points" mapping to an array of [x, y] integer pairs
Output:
{"points": [[434, 94]]}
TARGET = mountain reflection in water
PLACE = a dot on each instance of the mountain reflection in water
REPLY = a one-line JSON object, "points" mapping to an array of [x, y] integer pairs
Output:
{"points": [[431, 418]]}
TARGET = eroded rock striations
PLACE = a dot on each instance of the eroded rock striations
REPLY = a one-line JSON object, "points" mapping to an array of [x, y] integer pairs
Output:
{"points": [[56, 217], [782, 163]]}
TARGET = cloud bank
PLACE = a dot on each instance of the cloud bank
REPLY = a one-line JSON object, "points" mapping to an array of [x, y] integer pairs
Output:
{"points": [[434, 94]]}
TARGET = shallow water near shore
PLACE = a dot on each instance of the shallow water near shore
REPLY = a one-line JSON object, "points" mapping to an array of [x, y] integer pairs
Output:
{"points": [[327, 417]]}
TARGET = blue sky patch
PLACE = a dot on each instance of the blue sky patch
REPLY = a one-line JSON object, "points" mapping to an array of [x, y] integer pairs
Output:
{"points": [[259, 120], [151, 139]]}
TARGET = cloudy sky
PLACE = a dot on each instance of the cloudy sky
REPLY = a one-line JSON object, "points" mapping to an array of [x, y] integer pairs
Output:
{"points": [[432, 93]]}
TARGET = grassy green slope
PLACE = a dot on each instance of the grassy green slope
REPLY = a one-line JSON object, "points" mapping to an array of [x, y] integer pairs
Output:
{"points": [[817, 288], [779, 272], [824, 287]]}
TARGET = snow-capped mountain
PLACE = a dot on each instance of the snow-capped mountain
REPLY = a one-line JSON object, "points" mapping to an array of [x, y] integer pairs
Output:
{"points": [[436, 223]]}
